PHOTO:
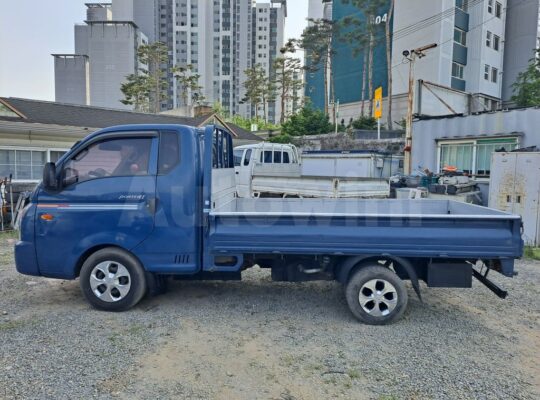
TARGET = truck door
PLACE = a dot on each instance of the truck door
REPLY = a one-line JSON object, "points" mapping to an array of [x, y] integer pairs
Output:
{"points": [[173, 245], [243, 174], [107, 197]]}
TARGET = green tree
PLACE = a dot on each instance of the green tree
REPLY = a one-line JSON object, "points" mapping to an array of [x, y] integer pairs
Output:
{"points": [[149, 84], [189, 84], [308, 121], [364, 38], [316, 40], [365, 122], [527, 86], [218, 109], [282, 139], [136, 92], [286, 77], [258, 90]]}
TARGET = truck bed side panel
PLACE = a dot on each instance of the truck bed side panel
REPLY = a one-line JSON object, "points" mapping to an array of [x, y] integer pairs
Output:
{"points": [[403, 236]]}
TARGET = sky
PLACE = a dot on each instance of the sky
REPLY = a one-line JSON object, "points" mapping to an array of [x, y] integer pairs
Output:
{"points": [[30, 30]]}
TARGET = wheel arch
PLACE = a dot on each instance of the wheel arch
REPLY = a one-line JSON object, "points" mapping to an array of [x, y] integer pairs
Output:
{"points": [[88, 252], [350, 265]]}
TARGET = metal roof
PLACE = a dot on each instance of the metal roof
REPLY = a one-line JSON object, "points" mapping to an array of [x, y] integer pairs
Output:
{"points": [[53, 113]]}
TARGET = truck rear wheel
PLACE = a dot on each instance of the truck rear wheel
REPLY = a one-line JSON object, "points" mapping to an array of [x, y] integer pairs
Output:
{"points": [[113, 280], [376, 295]]}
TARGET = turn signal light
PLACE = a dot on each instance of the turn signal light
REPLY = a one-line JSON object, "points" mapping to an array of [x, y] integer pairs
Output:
{"points": [[47, 217]]}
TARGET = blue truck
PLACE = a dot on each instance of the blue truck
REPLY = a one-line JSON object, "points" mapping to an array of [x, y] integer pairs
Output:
{"points": [[130, 207]]}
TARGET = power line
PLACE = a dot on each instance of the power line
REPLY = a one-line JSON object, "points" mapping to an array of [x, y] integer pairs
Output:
{"points": [[420, 25], [471, 4]]}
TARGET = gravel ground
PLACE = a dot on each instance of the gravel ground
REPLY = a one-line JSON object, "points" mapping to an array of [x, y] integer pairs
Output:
{"points": [[261, 340]]}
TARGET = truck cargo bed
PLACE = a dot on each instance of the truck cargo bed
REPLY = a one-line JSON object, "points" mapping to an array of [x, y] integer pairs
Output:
{"points": [[419, 228]]}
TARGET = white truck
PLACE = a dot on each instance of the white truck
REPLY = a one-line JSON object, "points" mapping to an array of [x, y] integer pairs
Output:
{"points": [[269, 170]]}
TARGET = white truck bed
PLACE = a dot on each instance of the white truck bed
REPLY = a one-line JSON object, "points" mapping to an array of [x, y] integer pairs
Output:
{"points": [[326, 187]]}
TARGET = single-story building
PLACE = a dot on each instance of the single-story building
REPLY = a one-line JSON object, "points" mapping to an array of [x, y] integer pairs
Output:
{"points": [[468, 142], [33, 132]]}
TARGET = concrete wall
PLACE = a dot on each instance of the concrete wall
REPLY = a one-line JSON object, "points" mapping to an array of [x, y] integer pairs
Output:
{"points": [[143, 12], [522, 33], [425, 133], [72, 80], [112, 55], [99, 12]]}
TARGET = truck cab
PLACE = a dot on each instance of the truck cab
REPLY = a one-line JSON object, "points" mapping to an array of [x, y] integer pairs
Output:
{"points": [[131, 206], [268, 158]]}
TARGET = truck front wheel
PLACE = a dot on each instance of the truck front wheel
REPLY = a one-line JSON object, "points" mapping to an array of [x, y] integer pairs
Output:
{"points": [[376, 295], [113, 280]]}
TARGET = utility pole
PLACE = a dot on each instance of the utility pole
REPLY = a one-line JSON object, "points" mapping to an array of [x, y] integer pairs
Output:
{"points": [[411, 57]]}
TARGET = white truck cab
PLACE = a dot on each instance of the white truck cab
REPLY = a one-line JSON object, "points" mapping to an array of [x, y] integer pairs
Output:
{"points": [[268, 158]]}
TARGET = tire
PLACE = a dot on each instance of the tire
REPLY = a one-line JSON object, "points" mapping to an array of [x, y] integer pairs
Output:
{"points": [[376, 295], [113, 280]]}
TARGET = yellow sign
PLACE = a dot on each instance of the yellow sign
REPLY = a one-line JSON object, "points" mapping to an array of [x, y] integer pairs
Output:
{"points": [[377, 104]]}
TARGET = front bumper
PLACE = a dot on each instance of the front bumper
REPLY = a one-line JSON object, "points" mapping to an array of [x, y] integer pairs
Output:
{"points": [[25, 258]]}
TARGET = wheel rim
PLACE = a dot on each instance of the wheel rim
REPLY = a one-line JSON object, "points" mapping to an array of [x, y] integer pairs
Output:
{"points": [[110, 281], [378, 297]]}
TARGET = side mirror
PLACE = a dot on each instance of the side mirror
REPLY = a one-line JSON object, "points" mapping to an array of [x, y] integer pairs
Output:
{"points": [[49, 177]]}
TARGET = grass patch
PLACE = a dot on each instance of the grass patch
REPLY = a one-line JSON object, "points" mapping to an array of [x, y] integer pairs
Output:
{"points": [[9, 325], [353, 374], [136, 330], [532, 253], [5, 235]]}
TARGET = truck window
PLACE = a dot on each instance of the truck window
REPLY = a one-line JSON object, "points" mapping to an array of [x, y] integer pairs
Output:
{"points": [[266, 157], [222, 150], [277, 157], [286, 159], [108, 158], [247, 157], [169, 152], [238, 157]]}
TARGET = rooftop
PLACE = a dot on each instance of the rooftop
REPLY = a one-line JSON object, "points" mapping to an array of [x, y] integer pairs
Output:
{"points": [[73, 115]]}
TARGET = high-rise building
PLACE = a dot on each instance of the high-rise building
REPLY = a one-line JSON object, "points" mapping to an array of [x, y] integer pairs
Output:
{"points": [[522, 39], [105, 53], [268, 22], [463, 74], [220, 39]]}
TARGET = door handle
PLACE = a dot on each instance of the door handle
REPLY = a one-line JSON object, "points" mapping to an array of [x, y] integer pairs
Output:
{"points": [[237, 173], [151, 205]]}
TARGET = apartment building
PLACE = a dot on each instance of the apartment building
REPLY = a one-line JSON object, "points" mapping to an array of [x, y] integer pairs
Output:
{"points": [[463, 74], [219, 38]]}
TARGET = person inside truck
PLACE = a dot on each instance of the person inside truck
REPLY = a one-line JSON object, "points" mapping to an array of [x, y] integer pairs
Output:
{"points": [[134, 159]]}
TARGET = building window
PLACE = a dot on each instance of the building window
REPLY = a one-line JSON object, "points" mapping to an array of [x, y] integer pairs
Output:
{"points": [[460, 37], [462, 4], [486, 72], [498, 10], [490, 6], [474, 156], [496, 42], [494, 75], [488, 39], [457, 70], [26, 165]]}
